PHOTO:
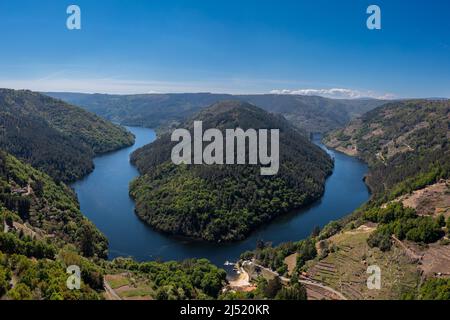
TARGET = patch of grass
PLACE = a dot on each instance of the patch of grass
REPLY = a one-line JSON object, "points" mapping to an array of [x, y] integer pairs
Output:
{"points": [[138, 292], [118, 281]]}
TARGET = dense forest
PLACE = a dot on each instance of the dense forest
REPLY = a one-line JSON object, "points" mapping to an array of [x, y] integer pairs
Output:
{"points": [[309, 113], [54, 136], [42, 232], [34, 268], [47, 206], [225, 203]]}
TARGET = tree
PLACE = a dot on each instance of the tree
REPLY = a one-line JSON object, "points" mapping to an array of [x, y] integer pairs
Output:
{"points": [[23, 208], [20, 292], [161, 294], [212, 283], [4, 283], [295, 292], [380, 239], [294, 277], [87, 240], [315, 232], [425, 230], [307, 251], [272, 288], [440, 221], [38, 188], [435, 289], [448, 225], [260, 244]]}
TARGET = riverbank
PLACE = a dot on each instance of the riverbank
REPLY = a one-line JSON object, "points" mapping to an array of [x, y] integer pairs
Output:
{"points": [[104, 198]]}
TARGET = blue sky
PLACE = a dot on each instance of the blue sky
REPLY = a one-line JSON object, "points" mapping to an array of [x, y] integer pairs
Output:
{"points": [[245, 46]]}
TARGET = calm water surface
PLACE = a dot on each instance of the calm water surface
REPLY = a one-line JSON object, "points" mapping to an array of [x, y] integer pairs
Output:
{"points": [[104, 199]]}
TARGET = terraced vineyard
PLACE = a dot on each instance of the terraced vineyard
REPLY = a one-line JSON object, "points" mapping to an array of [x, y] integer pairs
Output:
{"points": [[344, 269]]}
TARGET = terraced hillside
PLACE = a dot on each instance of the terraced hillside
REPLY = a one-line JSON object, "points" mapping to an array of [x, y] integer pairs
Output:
{"points": [[345, 267], [404, 229], [405, 143]]}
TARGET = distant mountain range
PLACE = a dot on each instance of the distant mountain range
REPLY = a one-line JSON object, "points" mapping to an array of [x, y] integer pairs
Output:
{"points": [[310, 113]]}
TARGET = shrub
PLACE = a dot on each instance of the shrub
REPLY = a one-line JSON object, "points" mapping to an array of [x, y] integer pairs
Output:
{"points": [[380, 239]]}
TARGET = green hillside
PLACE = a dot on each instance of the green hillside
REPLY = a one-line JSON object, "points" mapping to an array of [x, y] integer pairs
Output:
{"points": [[47, 206], [225, 203], [405, 143], [404, 229], [54, 136], [42, 232]]}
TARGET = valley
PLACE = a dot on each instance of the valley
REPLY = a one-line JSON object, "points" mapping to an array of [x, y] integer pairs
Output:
{"points": [[103, 197], [53, 136], [402, 228], [222, 203]]}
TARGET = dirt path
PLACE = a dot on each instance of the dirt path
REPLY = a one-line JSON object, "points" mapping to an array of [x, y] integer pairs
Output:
{"points": [[409, 252], [333, 292], [242, 281], [29, 190], [307, 282], [5, 227], [110, 294]]}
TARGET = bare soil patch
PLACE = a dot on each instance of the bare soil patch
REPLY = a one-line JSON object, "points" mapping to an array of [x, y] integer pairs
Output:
{"points": [[291, 262], [432, 200]]}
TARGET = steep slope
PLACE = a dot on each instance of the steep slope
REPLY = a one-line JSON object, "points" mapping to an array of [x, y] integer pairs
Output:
{"points": [[405, 143], [42, 232], [226, 202], [48, 206], [404, 229], [310, 113], [54, 136]]}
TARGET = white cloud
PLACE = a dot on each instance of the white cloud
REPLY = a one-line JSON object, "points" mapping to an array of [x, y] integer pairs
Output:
{"points": [[128, 86], [99, 85], [66, 81], [338, 93]]}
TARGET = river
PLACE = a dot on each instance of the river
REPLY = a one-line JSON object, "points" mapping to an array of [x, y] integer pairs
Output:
{"points": [[104, 199]]}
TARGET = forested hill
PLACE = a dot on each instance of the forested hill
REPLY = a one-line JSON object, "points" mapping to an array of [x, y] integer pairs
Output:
{"points": [[226, 202], [49, 207], [42, 233], [405, 143], [53, 136], [405, 227], [310, 113]]}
